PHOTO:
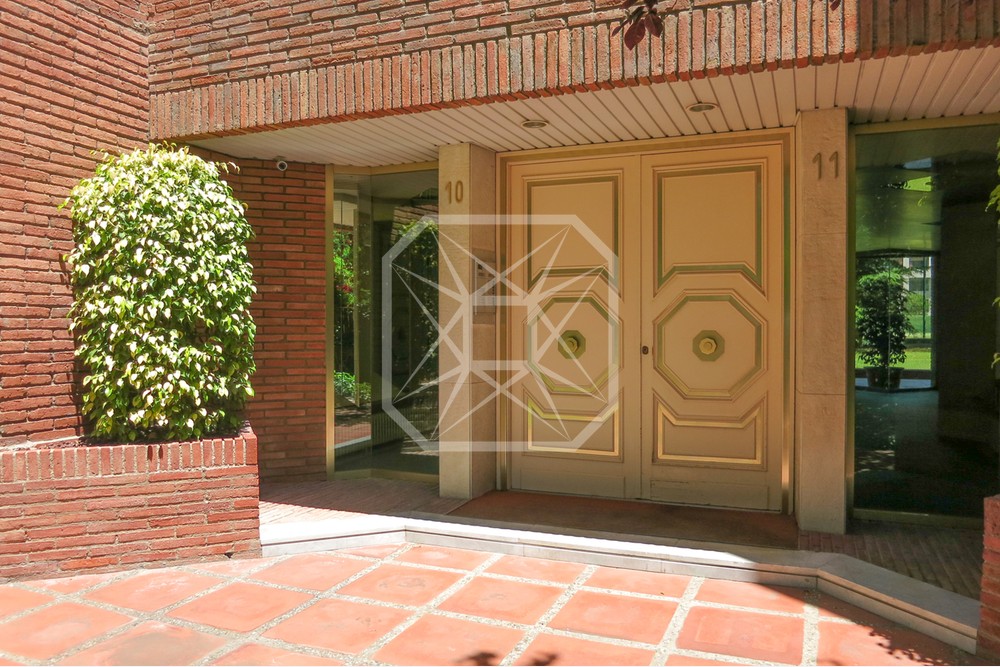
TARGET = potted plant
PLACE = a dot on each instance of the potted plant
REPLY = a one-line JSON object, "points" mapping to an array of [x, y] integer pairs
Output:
{"points": [[881, 321]]}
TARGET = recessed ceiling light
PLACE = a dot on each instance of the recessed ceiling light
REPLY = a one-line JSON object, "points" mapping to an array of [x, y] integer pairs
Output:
{"points": [[702, 107], [534, 124]]}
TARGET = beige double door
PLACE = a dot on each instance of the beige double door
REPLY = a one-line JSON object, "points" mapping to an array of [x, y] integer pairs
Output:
{"points": [[646, 328]]}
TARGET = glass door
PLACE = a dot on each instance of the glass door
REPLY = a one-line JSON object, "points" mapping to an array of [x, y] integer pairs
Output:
{"points": [[384, 263], [926, 427]]}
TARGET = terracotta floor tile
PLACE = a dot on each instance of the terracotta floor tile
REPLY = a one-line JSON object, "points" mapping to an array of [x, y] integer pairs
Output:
{"points": [[71, 584], [434, 640], [459, 559], [743, 634], [618, 616], [338, 625], [502, 600], [401, 584], [259, 654], [555, 650], [314, 571], [149, 591], [48, 632], [682, 660], [635, 581], [848, 644], [537, 568], [757, 596], [241, 607], [375, 551], [14, 600], [150, 643], [232, 567]]}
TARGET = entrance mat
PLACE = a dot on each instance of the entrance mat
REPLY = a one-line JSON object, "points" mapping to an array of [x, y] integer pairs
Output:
{"points": [[629, 517]]}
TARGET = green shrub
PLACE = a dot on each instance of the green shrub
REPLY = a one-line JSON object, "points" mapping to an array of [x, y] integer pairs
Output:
{"points": [[347, 386], [162, 287]]}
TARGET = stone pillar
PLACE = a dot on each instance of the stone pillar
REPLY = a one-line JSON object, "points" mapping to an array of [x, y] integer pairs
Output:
{"points": [[821, 288], [467, 196], [988, 639]]}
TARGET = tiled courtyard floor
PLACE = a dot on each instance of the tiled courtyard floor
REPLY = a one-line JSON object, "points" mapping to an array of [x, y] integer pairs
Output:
{"points": [[409, 604]]}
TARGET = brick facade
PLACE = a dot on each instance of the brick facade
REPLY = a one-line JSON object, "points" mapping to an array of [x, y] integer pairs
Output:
{"points": [[66, 69], [96, 508], [288, 411], [307, 61]]}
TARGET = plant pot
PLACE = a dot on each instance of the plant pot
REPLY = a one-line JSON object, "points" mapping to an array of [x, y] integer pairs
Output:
{"points": [[882, 377]]}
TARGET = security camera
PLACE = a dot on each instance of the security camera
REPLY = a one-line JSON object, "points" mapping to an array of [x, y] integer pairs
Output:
{"points": [[280, 163]]}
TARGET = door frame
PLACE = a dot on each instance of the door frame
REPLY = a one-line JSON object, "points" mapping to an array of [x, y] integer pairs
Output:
{"points": [[783, 136]]}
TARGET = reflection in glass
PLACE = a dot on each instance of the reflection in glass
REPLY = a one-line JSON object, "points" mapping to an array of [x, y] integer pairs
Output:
{"points": [[385, 355], [926, 428]]}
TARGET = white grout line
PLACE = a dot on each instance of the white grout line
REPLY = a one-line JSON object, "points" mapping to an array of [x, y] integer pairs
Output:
{"points": [[668, 644], [810, 633], [544, 620]]}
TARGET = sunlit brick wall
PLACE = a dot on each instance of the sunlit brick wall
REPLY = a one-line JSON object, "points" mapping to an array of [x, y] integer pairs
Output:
{"points": [[288, 411], [72, 80], [240, 65], [71, 509]]}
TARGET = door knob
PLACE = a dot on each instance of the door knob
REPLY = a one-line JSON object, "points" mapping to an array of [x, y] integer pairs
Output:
{"points": [[645, 349]]}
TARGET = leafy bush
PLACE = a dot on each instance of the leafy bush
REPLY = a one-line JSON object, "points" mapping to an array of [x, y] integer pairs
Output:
{"points": [[347, 386], [994, 202], [162, 288]]}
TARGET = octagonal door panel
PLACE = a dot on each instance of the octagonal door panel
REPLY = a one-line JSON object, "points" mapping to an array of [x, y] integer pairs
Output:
{"points": [[572, 405], [713, 318]]}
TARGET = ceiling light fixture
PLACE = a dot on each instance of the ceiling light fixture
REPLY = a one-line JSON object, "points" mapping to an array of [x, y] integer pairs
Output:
{"points": [[702, 107], [534, 124]]}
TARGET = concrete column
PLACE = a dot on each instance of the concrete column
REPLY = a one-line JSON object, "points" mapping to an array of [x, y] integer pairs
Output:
{"points": [[821, 289], [467, 195]]}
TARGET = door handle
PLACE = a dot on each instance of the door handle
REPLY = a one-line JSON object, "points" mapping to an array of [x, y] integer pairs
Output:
{"points": [[645, 349]]}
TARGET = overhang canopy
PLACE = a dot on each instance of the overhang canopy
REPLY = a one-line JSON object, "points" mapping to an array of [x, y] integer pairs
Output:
{"points": [[934, 85]]}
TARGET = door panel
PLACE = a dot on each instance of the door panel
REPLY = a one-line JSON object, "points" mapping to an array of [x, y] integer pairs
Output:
{"points": [[681, 252], [713, 311], [573, 416]]}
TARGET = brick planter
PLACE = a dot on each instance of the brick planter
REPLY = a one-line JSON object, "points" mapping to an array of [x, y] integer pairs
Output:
{"points": [[102, 507], [988, 641]]}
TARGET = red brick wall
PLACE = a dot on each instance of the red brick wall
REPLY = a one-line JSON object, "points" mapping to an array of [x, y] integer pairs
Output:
{"points": [[302, 61], [920, 26], [295, 62], [288, 410], [989, 615], [72, 80], [94, 508]]}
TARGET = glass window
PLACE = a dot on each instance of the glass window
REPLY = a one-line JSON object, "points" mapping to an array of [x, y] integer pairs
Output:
{"points": [[925, 328], [385, 259]]}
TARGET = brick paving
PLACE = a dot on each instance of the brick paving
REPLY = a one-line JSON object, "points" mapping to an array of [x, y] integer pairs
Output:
{"points": [[413, 604], [346, 498], [949, 558]]}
